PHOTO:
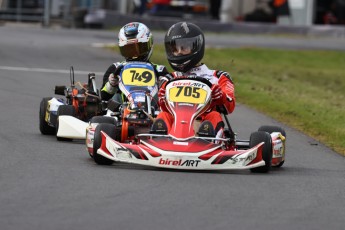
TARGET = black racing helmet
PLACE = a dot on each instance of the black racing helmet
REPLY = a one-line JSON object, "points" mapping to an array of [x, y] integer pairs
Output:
{"points": [[184, 46]]}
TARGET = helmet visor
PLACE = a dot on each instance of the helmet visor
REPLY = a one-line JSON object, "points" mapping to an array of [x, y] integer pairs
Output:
{"points": [[183, 46], [135, 50]]}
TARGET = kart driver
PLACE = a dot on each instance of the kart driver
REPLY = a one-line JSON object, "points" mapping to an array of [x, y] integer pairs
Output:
{"points": [[184, 46], [136, 44]]}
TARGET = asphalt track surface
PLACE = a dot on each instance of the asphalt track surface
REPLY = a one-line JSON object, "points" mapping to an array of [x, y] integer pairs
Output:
{"points": [[46, 184]]}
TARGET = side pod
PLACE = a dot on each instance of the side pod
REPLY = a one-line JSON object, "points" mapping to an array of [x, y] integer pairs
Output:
{"points": [[71, 127]]}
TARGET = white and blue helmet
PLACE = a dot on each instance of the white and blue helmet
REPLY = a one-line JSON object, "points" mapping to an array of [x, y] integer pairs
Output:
{"points": [[135, 42]]}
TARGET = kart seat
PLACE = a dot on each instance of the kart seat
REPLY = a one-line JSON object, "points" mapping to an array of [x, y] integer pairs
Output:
{"points": [[206, 129], [159, 127]]}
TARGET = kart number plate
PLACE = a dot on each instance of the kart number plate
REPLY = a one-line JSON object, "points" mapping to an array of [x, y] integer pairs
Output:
{"points": [[138, 77], [188, 94]]}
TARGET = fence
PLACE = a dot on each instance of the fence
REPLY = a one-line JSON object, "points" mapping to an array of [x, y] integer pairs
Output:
{"points": [[22, 10], [45, 10], [70, 12]]}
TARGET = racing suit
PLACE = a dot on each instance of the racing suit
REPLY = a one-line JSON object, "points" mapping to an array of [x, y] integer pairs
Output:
{"points": [[216, 77], [108, 91]]}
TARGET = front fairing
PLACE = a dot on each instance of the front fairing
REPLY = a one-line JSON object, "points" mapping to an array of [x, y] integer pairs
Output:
{"points": [[195, 154], [137, 81], [186, 100]]}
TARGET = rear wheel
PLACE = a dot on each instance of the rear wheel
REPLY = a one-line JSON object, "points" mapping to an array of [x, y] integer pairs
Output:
{"points": [[109, 129], [271, 129], [64, 110], [44, 127], [256, 138]]}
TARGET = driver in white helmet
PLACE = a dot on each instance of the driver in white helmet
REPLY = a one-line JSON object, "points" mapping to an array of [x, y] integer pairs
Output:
{"points": [[136, 44]]}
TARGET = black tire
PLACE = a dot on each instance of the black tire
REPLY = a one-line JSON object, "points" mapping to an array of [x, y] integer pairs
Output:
{"points": [[64, 110], [256, 138], [103, 120], [109, 129], [44, 127], [271, 129]]}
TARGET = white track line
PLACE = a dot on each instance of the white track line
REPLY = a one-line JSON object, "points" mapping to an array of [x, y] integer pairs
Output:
{"points": [[42, 70], [102, 45]]}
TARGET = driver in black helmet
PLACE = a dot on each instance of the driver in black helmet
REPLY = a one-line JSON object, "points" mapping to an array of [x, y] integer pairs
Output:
{"points": [[136, 44], [184, 46]]}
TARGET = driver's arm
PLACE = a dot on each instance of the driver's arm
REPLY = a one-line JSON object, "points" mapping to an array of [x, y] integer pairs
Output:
{"points": [[108, 90], [226, 84]]}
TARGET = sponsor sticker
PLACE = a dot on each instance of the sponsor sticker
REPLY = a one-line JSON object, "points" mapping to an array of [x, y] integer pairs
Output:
{"points": [[278, 148], [180, 162], [243, 160], [180, 143]]}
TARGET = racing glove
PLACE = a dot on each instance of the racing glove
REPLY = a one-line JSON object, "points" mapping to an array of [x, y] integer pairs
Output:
{"points": [[164, 79], [217, 95], [161, 97], [113, 80]]}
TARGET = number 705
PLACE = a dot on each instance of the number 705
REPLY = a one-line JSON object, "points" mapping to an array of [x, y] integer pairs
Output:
{"points": [[188, 91]]}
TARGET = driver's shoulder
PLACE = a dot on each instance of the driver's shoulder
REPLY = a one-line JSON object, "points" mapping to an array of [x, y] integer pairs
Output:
{"points": [[117, 64], [159, 68]]}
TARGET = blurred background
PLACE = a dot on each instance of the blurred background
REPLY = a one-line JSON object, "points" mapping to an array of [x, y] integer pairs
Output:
{"points": [[113, 13]]}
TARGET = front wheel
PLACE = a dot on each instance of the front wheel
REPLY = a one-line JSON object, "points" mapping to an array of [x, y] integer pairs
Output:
{"points": [[109, 129], [64, 110], [255, 139], [94, 122]]}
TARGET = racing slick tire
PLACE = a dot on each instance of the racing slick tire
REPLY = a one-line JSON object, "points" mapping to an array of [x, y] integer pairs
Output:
{"points": [[256, 138], [271, 129], [103, 120], [109, 129], [44, 127], [64, 110]]}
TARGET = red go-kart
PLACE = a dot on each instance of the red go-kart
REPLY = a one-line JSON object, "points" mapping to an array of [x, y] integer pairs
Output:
{"points": [[183, 147]]}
